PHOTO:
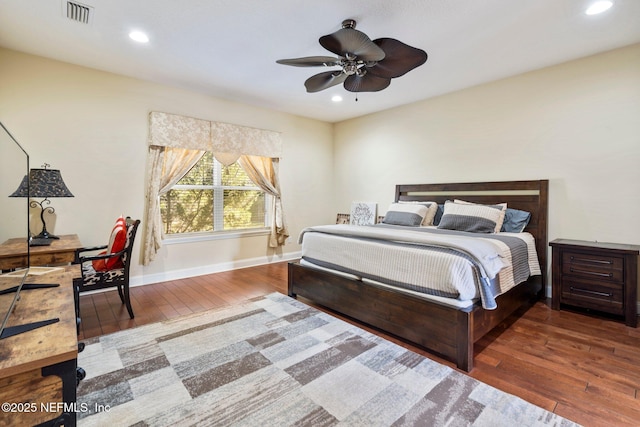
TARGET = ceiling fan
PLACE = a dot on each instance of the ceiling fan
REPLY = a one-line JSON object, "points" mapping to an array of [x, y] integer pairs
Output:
{"points": [[366, 65]]}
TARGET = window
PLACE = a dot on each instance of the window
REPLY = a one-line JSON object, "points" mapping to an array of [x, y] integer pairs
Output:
{"points": [[212, 197]]}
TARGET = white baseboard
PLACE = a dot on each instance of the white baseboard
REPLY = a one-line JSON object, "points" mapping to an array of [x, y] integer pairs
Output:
{"points": [[148, 279]]}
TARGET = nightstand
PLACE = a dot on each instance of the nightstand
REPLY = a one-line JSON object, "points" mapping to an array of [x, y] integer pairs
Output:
{"points": [[597, 276]]}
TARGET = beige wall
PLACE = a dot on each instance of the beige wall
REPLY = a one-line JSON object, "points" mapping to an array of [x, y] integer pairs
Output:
{"points": [[92, 126], [576, 124]]}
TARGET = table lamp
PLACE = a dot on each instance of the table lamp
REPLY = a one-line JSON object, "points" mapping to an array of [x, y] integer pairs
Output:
{"points": [[45, 183]]}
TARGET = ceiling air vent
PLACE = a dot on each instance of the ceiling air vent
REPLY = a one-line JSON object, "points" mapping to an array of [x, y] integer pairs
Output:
{"points": [[77, 11]]}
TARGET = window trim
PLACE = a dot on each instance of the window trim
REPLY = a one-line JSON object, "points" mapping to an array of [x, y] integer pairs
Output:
{"points": [[175, 239]]}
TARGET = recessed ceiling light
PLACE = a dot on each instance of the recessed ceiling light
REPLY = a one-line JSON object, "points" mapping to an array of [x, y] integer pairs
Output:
{"points": [[599, 7], [336, 98], [139, 36]]}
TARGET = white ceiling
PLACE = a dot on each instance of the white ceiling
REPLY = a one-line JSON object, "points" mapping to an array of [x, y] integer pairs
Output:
{"points": [[228, 48]]}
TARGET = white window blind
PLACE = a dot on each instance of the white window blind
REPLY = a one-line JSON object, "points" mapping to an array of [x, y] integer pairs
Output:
{"points": [[214, 198]]}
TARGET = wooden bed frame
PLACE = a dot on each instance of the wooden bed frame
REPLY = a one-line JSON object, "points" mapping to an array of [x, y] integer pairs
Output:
{"points": [[441, 329]]}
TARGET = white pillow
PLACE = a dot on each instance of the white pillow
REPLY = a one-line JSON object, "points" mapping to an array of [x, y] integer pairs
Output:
{"points": [[501, 206], [471, 217], [408, 214], [432, 208]]}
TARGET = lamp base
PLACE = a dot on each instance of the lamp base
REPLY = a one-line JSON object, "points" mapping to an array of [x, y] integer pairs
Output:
{"points": [[40, 242], [42, 239], [44, 234]]}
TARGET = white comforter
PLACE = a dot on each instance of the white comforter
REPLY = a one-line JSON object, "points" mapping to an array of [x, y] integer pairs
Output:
{"points": [[445, 263]]}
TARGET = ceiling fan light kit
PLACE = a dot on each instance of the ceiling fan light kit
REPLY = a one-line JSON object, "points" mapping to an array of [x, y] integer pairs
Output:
{"points": [[366, 65]]}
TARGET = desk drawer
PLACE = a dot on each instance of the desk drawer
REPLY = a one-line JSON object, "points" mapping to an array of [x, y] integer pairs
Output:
{"points": [[52, 258], [593, 266]]}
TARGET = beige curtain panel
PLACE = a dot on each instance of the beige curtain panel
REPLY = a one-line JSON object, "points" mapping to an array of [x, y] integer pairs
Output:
{"points": [[176, 143], [166, 166], [263, 172]]}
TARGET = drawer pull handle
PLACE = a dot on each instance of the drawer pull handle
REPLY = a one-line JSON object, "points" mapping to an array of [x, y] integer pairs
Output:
{"points": [[587, 291], [592, 261], [593, 273]]}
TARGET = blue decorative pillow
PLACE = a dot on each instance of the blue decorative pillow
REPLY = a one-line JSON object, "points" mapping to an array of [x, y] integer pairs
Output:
{"points": [[515, 221], [439, 212]]}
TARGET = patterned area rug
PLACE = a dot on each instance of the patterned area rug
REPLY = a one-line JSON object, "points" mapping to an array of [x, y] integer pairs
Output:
{"points": [[276, 362]]}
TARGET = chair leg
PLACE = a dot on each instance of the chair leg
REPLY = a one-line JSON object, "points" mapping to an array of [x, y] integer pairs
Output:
{"points": [[121, 294], [127, 301]]}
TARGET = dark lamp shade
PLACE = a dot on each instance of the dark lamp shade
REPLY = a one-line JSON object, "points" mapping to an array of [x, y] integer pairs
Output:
{"points": [[42, 183]]}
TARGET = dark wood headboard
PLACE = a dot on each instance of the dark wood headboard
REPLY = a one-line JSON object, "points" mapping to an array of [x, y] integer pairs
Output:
{"points": [[530, 196]]}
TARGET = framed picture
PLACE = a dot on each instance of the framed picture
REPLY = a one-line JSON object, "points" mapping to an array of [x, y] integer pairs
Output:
{"points": [[363, 213], [343, 218]]}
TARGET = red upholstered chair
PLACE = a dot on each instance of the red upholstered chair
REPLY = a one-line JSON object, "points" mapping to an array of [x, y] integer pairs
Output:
{"points": [[109, 268]]}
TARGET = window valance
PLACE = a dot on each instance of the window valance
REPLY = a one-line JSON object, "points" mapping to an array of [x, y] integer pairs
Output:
{"points": [[177, 142], [172, 130]]}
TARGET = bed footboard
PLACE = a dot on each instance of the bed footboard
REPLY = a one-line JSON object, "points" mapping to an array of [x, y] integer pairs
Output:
{"points": [[438, 328], [443, 330]]}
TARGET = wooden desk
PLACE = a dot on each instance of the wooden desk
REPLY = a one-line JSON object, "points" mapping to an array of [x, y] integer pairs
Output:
{"points": [[13, 252], [38, 367]]}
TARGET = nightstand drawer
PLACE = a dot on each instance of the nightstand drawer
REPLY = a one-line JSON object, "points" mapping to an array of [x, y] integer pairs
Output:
{"points": [[593, 266], [593, 295]]}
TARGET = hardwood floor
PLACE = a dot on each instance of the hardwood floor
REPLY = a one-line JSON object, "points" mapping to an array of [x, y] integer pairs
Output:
{"points": [[584, 368]]}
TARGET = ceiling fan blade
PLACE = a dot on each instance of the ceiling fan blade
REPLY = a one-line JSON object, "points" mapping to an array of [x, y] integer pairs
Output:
{"points": [[399, 58], [366, 83], [324, 80], [349, 41], [311, 61]]}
